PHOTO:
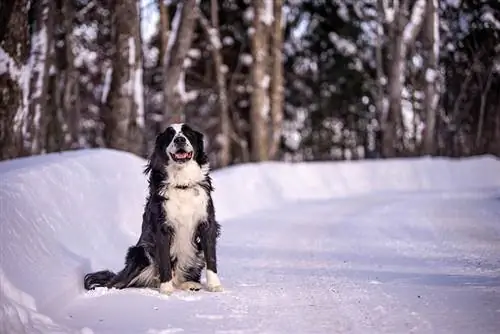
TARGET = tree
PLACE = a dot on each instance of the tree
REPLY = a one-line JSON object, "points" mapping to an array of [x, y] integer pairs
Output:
{"points": [[402, 32], [14, 82], [179, 42], [276, 89], [260, 107], [41, 39], [432, 75], [212, 33], [123, 117]]}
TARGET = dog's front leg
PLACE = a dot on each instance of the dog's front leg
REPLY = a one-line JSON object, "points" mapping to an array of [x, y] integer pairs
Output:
{"points": [[164, 238], [208, 239]]}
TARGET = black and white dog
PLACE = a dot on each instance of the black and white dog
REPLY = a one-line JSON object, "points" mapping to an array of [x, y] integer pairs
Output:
{"points": [[179, 229]]}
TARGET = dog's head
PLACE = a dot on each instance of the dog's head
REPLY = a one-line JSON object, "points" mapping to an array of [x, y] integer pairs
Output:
{"points": [[177, 147]]}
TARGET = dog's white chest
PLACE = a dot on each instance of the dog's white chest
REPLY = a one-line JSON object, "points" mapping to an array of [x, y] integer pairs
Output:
{"points": [[185, 208]]}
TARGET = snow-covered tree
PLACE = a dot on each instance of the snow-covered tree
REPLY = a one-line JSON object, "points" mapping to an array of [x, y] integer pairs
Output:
{"points": [[14, 77], [124, 116]]}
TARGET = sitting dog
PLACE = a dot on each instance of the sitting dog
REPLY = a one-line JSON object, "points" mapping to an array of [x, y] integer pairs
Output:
{"points": [[179, 229]]}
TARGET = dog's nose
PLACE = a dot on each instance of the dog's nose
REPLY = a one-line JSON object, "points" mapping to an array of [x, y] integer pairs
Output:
{"points": [[180, 140]]}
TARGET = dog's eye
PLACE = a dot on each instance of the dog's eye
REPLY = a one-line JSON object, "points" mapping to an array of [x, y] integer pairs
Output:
{"points": [[169, 134]]}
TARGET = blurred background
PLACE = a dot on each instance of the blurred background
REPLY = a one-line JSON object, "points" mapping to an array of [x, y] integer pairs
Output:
{"points": [[295, 80]]}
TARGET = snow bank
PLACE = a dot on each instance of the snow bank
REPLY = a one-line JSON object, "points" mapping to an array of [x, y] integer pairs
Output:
{"points": [[265, 185], [57, 212], [62, 215]]}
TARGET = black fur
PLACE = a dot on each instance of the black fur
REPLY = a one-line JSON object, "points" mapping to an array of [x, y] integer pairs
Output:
{"points": [[153, 249]]}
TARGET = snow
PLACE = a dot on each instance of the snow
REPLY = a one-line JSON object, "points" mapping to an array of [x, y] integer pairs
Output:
{"points": [[107, 84], [489, 17], [181, 89], [246, 59], [214, 38], [267, 16], [393, 246], [139, 94], [437, 42], [430, 75], [416, 18], [22, 75], [346, 47]]}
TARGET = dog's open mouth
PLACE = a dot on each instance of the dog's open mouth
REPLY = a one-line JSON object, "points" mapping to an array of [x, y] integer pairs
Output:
{"points": [[181, 156]]}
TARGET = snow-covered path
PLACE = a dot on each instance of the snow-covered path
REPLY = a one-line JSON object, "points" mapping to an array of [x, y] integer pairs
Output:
{"points": [[400, 263], [401, 246]]}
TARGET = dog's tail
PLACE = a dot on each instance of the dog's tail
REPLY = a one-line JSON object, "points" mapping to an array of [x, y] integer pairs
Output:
{"points": [[138, 272], [98, 279]]}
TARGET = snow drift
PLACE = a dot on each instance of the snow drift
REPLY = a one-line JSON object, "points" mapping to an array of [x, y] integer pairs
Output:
{"points": [[58, 211]]}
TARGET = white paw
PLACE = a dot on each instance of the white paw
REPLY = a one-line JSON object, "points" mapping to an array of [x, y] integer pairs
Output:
{"points": [[167, 288], [213, 282], [215, 288], [190, 286]]}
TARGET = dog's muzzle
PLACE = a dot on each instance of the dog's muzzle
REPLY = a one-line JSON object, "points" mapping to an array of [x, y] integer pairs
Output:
{"points": [[183, 152]]}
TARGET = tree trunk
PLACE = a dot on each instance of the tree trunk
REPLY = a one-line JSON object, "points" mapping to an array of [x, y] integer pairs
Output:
{"points": [[164, 31], [41, 39], [401, 36], [181, 35], [482, 112], [276, 79], [123, 117], [212, 32], [432, 80], [395, 89], [259, 110], [70, 98], [14, 78]]}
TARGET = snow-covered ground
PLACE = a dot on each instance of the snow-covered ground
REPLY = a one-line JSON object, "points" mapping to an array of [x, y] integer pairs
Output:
{"points": [[402, 246]]}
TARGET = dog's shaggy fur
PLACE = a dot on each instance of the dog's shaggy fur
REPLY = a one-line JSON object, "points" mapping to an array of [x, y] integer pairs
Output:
{"points": [[179, 229]]}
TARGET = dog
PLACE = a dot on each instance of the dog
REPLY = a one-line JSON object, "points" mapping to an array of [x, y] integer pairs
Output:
{"points": [[179, 229]]}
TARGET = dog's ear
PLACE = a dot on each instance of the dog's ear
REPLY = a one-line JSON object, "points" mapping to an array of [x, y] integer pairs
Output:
{"points": [[201, 157], [154, 162]]}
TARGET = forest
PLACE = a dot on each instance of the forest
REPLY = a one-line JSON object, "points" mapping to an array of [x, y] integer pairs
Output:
{"points": [[290, 80]]}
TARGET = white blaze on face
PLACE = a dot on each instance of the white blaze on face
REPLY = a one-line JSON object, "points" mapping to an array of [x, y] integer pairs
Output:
{"points": [[172, 147], [177, 127]]}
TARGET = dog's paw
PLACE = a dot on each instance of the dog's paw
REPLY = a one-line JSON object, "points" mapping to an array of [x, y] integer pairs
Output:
{"points": [[215, 288], [190, 286], [213, 282], [167, 288]]}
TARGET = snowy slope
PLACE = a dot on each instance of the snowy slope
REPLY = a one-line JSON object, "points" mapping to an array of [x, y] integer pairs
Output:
{"points": [[402, 246]]}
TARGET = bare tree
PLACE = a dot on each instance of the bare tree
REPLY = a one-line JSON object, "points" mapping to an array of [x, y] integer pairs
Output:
{"points": [[432, 80], [123, 118], [212, 32], [41, 40], [179, 42], [277, 88], [69, 78], [14, 82], [402, 34], [164, 31], [486, 86], [260, 108]]}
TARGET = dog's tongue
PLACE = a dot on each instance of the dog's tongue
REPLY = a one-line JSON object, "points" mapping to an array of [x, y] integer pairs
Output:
{"points": [[181, 155]]}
